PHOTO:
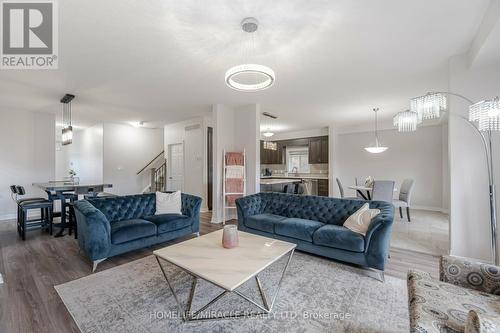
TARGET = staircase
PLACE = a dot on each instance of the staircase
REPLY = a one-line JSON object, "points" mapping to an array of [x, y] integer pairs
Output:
{"points": [[158, 175], [159, 178]]}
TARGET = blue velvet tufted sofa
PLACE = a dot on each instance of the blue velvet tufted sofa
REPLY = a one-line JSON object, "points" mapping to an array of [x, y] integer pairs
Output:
{"points": [[115, 225], [315, 224]]}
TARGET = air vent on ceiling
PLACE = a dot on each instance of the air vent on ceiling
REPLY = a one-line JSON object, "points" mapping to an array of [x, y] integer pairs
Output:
{"points": [[267, 114], [192, 127]]}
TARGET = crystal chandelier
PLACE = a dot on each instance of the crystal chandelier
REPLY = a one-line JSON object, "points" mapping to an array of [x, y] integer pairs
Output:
{"points": [[486, 114], [406, 121], [377, 148], [428, 106], [269, 145], [249, 77]]}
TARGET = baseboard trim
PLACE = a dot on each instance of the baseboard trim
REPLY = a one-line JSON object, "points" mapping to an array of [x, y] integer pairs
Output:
{"points": [[7, 217], [431, 209]]}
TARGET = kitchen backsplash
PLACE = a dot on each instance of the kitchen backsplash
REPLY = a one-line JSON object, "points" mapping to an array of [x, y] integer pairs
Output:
{"points": [[281, 168]]}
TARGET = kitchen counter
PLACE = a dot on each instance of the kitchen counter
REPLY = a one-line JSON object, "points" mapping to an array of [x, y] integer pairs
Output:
{"points": [[313, 184], [295, 177], [273, 181]]}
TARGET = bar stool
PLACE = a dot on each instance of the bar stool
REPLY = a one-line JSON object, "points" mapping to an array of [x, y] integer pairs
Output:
{"points": [[44, 222], [24, 205], [17, 191], [67, 219]]}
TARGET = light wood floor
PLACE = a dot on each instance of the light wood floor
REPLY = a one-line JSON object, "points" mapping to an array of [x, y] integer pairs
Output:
{"points": [[428, 232], [30, 269]]}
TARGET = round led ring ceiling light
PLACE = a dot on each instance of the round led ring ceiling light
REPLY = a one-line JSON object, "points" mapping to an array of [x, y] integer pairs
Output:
{"points": [[249, 77], [265, 74]]}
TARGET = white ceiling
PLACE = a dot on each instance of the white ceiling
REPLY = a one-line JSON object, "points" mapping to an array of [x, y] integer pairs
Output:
{"points": [[163, 61]]}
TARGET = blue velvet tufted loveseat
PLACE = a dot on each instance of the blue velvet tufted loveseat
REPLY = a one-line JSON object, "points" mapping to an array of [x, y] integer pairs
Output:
{"points": [[315, 224], [115, 225]]}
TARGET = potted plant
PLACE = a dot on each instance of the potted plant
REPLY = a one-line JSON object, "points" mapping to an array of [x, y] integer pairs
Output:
{"points": [[72, 174]]}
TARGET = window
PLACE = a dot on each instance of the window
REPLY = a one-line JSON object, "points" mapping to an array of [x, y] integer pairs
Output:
{"points": [[297, 159]]}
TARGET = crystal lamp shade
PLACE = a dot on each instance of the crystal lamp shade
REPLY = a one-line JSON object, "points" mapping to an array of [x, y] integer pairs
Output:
{"points": [[250, 77], [270, 145], [428, 106], [406, 121], [486, 114]]}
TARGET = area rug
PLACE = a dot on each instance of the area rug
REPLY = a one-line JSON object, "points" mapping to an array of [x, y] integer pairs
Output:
{"points": [[317, 295]]}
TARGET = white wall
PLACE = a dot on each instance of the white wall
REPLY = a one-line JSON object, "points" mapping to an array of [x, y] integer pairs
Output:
{"points": [[126, 150], [27, 154], [223, 120], [246, 136], [417, 155], [235, 128], [333, 162], [84, 156], [469, 206], [193, 134]]}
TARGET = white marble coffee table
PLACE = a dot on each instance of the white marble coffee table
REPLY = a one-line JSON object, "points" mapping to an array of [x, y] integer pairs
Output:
{"points": [[205, 258]]}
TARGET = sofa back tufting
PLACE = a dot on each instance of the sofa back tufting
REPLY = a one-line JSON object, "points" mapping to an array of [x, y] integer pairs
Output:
{"points": [[323, 209], [126, 207]]}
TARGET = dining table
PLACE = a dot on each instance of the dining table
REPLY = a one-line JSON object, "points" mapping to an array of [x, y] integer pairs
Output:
{"points": [[57, 190], [364, 191]]}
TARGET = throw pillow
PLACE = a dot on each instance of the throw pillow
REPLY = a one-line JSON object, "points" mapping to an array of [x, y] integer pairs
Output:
{"points": [[361, 219], [168, 203]]}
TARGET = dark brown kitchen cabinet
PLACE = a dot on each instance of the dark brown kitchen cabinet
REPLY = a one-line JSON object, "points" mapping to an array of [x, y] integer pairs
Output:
{"points": [[324, 149], [268, 156], [323, 187], [318, 150], [295, 142]]}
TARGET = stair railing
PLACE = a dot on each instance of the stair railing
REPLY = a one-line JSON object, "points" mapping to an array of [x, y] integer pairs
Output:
{"points": [[159, 178], [150, 162]]}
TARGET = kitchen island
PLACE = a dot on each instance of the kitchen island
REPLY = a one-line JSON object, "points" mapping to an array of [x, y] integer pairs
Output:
{"points": [[313, 184]]}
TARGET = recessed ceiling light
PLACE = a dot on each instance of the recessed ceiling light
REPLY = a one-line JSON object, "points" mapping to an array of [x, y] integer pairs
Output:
{"points": [[137, 123]]}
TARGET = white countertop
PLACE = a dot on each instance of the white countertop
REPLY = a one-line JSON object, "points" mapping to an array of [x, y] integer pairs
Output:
{"points": [[278, 176], [272, 181]]}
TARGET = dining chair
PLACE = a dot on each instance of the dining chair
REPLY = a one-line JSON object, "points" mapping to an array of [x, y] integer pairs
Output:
{"points": [[405, 197], [360, 181], [383, 190], [342, 193]]}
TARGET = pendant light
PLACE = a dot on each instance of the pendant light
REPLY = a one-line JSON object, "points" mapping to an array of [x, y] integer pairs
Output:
{"points": [[268, 133], [377, 148], [269, 145], [67, 131], [249, 77]]}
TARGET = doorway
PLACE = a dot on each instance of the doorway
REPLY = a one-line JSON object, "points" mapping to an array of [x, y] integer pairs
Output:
{"points": [[175, 168]]}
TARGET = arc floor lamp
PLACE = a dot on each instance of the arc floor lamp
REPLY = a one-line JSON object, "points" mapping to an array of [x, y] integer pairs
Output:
{"points": [[484, 117]]}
